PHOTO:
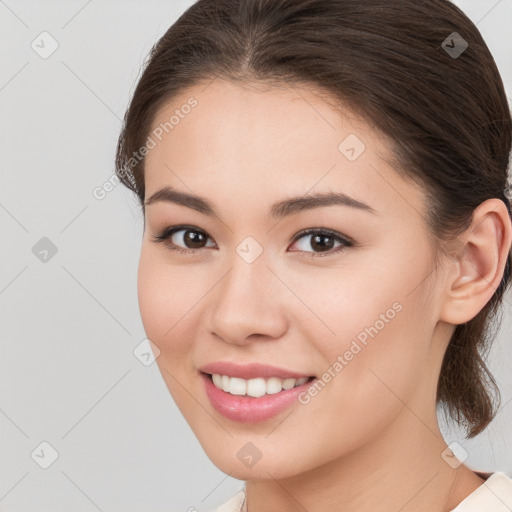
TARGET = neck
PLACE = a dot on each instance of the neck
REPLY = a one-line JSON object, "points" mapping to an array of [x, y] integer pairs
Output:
{"points": [[400, 469]]}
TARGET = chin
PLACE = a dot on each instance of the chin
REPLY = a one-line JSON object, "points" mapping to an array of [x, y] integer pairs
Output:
{"points": [[240, 458]]}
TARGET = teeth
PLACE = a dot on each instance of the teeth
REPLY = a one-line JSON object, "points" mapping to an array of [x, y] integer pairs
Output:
{"points": [[255, 387]]}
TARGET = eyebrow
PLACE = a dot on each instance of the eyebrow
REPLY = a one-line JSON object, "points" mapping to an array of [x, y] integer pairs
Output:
{"points": [[279, 210]]}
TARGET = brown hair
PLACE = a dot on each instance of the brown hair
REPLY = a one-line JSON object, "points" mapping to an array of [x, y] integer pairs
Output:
{"points": [[446, 114]]}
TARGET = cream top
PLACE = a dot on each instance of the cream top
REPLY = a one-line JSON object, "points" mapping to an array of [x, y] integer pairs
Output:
{"points": [[494, 495]]}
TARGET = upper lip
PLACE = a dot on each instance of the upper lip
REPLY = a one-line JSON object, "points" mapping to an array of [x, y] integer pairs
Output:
{"points": [[250, 371]]}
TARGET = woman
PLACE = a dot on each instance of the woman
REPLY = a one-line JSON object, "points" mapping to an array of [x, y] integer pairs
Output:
{"points": [[327, 238]]}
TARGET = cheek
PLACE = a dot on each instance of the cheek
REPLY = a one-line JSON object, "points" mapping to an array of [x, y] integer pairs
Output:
{"points": [[367, 386], [379, 352], [165, 301]]}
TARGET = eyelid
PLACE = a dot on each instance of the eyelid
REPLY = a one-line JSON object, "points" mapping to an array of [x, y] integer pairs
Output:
{"points": [[325, 231], [164, 235]]}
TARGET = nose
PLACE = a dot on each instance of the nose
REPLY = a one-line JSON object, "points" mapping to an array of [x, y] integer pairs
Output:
{"points": [[248, 304]]}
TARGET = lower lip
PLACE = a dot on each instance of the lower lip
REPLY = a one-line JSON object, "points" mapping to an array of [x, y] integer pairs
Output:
{"points": [[248, 409]]}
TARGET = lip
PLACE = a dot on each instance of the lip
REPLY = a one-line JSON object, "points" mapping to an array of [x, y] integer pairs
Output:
{"points": [[250, 371], [248, 409]]}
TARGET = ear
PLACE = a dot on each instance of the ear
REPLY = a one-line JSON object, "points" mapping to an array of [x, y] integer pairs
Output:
{"points": [[476, 270]]}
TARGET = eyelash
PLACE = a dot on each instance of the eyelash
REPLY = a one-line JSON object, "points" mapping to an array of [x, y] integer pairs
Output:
{"points": [[164, 235]]}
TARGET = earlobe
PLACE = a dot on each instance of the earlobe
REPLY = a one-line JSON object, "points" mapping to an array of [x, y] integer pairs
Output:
{"points": [[477, 269]]}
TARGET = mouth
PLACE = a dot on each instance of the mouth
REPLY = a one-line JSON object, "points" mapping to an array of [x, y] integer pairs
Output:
{"points": [[255, 387], [253, 400]]}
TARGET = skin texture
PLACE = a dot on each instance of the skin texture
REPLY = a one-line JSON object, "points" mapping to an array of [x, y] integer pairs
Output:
{"points": [[369, 440]]}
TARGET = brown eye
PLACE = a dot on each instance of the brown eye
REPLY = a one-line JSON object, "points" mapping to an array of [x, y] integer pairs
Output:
{"points": [[322, 241], [183, 239], [192, 239]]}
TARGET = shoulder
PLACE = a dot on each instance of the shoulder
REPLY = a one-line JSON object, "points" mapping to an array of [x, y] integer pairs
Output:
{"points": [[494, 495]]}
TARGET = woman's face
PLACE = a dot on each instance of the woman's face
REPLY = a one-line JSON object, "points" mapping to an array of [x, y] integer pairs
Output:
{"points": [[358, 313]]}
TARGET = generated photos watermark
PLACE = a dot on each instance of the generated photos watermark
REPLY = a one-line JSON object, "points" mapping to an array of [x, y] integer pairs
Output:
{"points": [[355, 348]]}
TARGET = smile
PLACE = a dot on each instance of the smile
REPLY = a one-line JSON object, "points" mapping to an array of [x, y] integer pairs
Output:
{"points": [[255, 399], [255, 387]]}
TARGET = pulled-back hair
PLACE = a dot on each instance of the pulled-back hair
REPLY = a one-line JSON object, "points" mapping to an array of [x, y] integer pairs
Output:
{"points": [[398, 65]]}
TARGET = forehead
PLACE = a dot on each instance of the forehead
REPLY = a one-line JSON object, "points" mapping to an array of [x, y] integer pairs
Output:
{"points": [[260, 141], [257, 116]]}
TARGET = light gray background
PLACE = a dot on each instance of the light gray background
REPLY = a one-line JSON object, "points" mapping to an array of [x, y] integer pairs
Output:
{"points": [[70, 325]]}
